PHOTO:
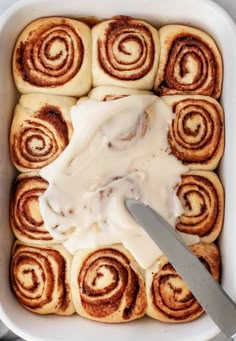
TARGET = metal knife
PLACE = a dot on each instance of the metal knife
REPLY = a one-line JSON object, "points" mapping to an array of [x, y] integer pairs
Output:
{"points": [[207, 291]]}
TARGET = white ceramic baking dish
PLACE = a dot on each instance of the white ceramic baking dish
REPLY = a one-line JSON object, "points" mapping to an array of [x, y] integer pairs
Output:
{"points": [[203, 14]]}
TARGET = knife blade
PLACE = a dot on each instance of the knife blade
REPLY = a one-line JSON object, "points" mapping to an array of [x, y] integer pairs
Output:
{"points": [[214, 300]]}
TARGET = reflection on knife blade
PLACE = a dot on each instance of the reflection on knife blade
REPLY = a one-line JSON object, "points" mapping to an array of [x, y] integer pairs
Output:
{"points": [[207, 291]]}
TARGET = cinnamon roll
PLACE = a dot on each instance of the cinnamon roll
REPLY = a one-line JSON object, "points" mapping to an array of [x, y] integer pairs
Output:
{"points": [[107, 285], [125, 53], [202, 198], [40, 131], [109, 93], [25, 217], [168, 297], [53, 55], [196, 135], [190, 63], [40, 278]]}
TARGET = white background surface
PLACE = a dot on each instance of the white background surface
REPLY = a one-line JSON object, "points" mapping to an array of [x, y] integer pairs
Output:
{"points": [[229, 5]]}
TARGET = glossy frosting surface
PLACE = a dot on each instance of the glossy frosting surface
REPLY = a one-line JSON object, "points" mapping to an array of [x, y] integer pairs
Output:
{"points": [[119, 150]]}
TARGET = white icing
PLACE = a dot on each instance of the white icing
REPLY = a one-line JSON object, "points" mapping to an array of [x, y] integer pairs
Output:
{"points": [[109, 159]]}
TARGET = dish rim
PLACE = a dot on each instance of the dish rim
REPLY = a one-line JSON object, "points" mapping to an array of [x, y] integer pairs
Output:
{"points": [[3, 20]]}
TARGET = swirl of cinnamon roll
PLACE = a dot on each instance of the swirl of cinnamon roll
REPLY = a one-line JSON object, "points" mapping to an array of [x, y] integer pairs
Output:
{"points": [[190, 63], [168, 297], [106, 287], [25, 217], [40, 278], [40, 131], [53, 55], [125, 53], [196, 135], [202, 198]]}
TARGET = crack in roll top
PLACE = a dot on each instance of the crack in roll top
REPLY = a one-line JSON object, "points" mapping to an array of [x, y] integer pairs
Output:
{"points": [[53, 55], [40, 131], [130, 134], [107, 285], [190, 63], [40, 278], [168, 297], [125, 53]]}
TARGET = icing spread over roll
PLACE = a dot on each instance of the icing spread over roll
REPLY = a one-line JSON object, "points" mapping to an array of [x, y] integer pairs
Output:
{"points": [[119, 150]]}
